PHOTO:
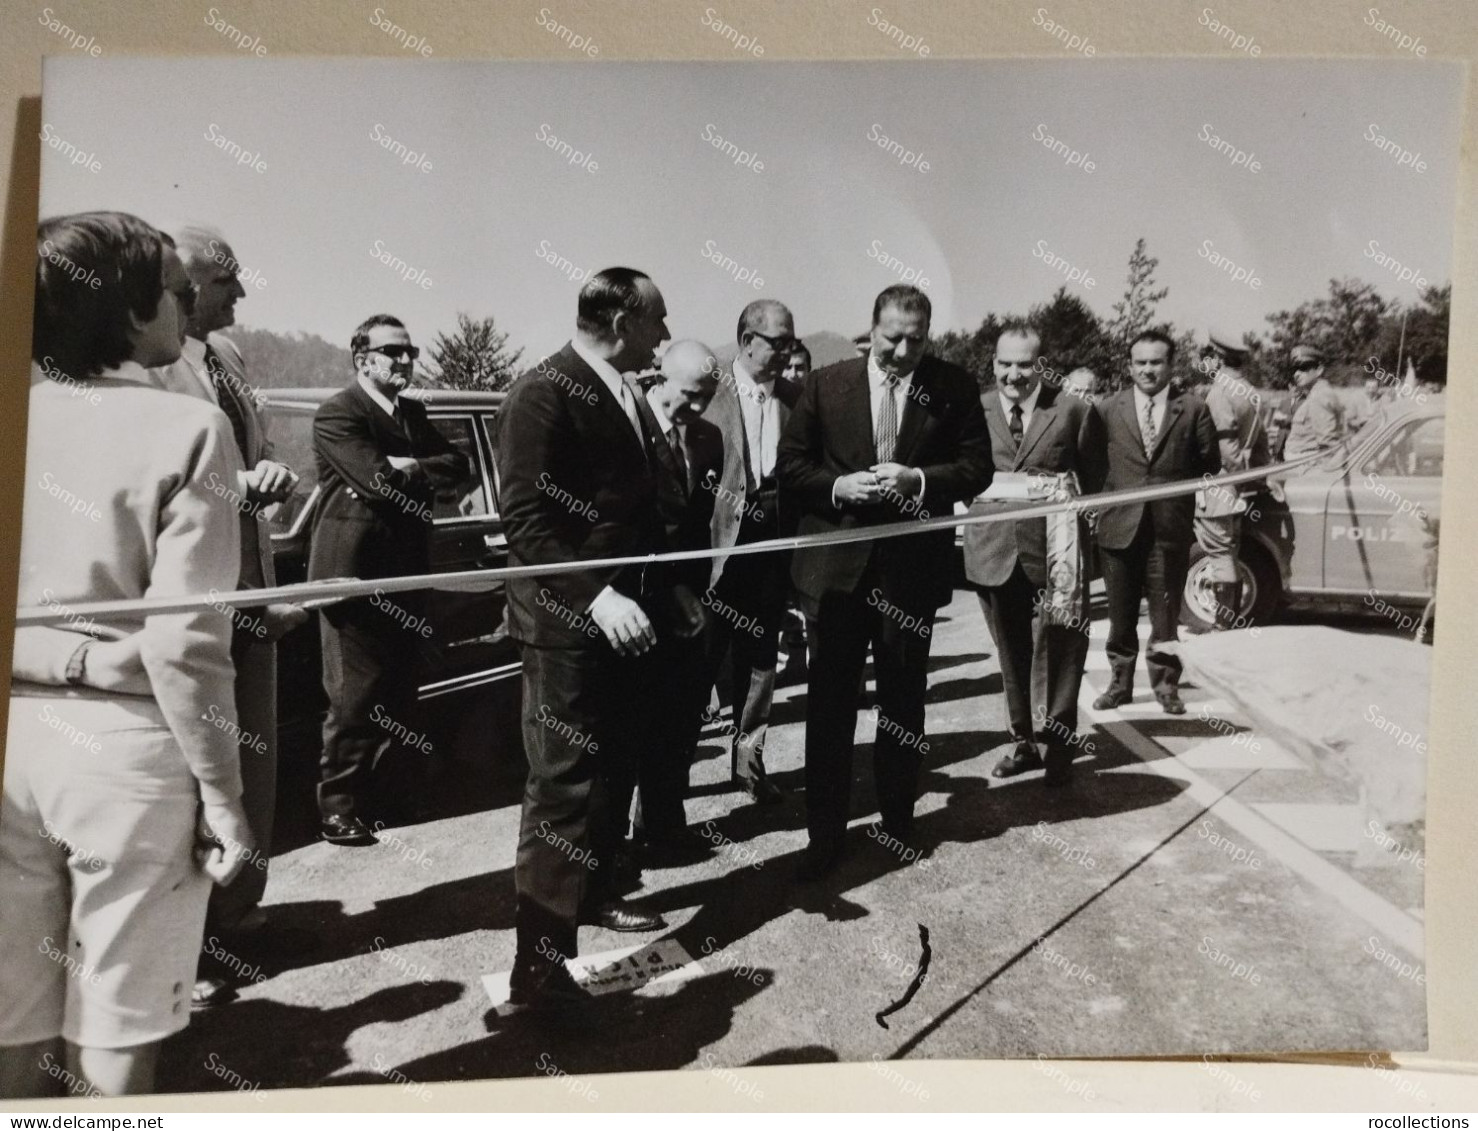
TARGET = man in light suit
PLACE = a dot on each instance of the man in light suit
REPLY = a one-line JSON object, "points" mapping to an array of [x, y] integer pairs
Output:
{"points": [[1147, 435], [1035, 430], [380, 464], [579, 481], [211, 368], [893, 437], [751, 409], [690, 456]]}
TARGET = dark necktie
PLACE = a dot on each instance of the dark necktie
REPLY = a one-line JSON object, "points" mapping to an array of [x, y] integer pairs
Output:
{"points": [[887, 432], [1148, 432], [675, 442], [226, 396], [1016, 428]]}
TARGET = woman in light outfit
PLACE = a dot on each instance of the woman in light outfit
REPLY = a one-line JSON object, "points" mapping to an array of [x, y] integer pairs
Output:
{"points": [[120, 806]]}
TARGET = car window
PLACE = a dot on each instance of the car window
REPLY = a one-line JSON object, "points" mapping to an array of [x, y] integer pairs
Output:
{"points": [[490, 433], [291, 436], [471, 499], [1413, 449]]}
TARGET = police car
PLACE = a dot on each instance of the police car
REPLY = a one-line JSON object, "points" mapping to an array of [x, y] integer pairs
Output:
{"points": [[1353, 532], [470, 686]]}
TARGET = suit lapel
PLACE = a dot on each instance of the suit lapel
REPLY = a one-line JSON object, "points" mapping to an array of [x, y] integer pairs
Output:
{"points": [[1042, 417], [606, 403], [662, 446], [855, 396], [996, 424]]}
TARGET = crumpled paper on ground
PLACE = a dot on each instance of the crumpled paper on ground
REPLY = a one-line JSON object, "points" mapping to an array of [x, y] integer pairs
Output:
{"points": [[1348, 704]]}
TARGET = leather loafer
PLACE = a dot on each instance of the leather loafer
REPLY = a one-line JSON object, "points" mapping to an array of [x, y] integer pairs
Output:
{"points": [[1020, 761], [618, 916], [1170, 703], [817, 863], [1111, 700], [348, 831], [762, 791]]}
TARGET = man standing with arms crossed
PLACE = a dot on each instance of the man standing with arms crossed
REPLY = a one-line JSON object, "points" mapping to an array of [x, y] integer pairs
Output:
{"points": [[1035, 431]]}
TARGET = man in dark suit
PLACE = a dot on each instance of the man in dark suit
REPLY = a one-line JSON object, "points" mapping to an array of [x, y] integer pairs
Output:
{"points": [[580, 480], [1037, 615], [887, 438], [751, 409], [380, 464], [1147, 435], [691, 459]]}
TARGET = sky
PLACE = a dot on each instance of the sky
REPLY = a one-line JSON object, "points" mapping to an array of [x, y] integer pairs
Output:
{"points": [[830, 219]]}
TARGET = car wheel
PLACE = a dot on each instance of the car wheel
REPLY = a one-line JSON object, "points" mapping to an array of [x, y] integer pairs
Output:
{"points": [[1262, 589]]}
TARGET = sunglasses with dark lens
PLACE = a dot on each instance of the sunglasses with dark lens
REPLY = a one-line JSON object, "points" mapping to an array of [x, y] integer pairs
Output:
{"points": [[779, 345], [397, 353], [1303, 366]]}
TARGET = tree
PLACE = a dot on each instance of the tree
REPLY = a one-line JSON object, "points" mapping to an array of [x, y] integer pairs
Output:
{"points": [[1072, 334], [476, 357], [1136, 311]]}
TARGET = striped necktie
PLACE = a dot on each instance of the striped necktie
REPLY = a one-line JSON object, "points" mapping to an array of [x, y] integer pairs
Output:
{"points": [[886, 439], [1147, 427], [226, 397]]}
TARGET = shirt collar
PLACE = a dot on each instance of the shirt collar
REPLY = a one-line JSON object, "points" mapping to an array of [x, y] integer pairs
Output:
{"points": [[193, 351], [1028, 406], [374, 394], [603, 368], [749, 384], [877, 378], [1158, 400]]}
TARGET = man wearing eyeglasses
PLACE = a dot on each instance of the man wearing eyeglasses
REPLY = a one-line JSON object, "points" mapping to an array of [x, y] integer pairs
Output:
{"points": [[1319, 415], [748, 591], [380, 465]]}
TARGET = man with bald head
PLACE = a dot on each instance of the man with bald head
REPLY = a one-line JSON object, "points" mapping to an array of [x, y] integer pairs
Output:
{"points": [[690, 456], [751, 408], [211, 368]]}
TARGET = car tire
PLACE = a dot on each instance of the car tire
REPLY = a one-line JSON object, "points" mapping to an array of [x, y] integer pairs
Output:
{"points": [[1262, 589]]}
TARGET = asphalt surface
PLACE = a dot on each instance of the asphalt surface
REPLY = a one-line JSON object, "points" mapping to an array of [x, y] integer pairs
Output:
{"points": [[1188, 894]]}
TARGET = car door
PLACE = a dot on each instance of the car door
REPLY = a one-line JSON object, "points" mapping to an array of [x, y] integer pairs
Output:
{"points": [[466, 641], [1379, 513]]}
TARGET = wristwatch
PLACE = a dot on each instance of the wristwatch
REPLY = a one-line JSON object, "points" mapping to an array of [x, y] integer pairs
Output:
{"points": [[77, 665]]}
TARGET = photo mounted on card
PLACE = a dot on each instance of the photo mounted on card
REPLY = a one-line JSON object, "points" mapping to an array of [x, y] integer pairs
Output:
{"points": [[523, 570]]}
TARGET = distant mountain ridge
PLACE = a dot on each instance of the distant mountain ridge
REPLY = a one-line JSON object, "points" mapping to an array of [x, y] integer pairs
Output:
{"points": [[827, 347]]}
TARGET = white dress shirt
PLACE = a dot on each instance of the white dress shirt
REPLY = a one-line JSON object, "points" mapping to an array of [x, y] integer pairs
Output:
{"points": [[1160, 400], [877, 382], [613, 381], [761, 414], [1028, 406]]}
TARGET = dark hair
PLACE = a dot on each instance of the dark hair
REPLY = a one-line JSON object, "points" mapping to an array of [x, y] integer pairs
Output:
{"points": [[752, 317], [605, 295], [909, 300], [1017, 328], [359, 343], [1156, 336], [800, 350], [81, 327]]}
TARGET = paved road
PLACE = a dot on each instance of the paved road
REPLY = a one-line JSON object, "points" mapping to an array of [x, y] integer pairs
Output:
{"points": [[1191, 893]]}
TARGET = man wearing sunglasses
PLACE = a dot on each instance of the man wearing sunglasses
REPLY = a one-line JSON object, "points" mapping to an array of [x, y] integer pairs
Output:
{"points": [[380, 465], [1319, 415], [751, 408]]}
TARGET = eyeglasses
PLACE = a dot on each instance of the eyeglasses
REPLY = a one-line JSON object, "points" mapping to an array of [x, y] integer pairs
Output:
{"points": [[779, 345], [1304, 366], [397, 353]]}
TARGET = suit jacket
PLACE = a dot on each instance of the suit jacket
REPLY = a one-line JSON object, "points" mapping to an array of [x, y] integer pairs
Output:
{"points": [[257, 570], [830, 434], [374, 520], [1185, 449], [1059, 438], [574, 484], [148, 467], [726, 413], [687, 500]]}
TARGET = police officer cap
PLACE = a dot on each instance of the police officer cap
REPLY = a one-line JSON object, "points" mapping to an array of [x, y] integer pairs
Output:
{"points": [[1228, 345], [1305, 352]]}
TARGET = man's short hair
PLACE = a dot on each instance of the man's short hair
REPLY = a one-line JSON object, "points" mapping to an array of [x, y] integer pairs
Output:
{"points": [[908, 300], [1019, 329], [800, 350], [605, 295], [753, 316], [1155, 336], [83, 329], [359, 343]]}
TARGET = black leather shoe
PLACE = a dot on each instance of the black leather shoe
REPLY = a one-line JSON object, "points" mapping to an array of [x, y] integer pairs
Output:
{"points": [[1059, 769], [762, 791], [348, 831], [1021, 760], [619, 916], [545, 986], [1170, 703], [818, 862], [1112, 699]]}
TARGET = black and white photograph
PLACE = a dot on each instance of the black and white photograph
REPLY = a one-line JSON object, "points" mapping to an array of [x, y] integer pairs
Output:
{"points": [[545, 569]]}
